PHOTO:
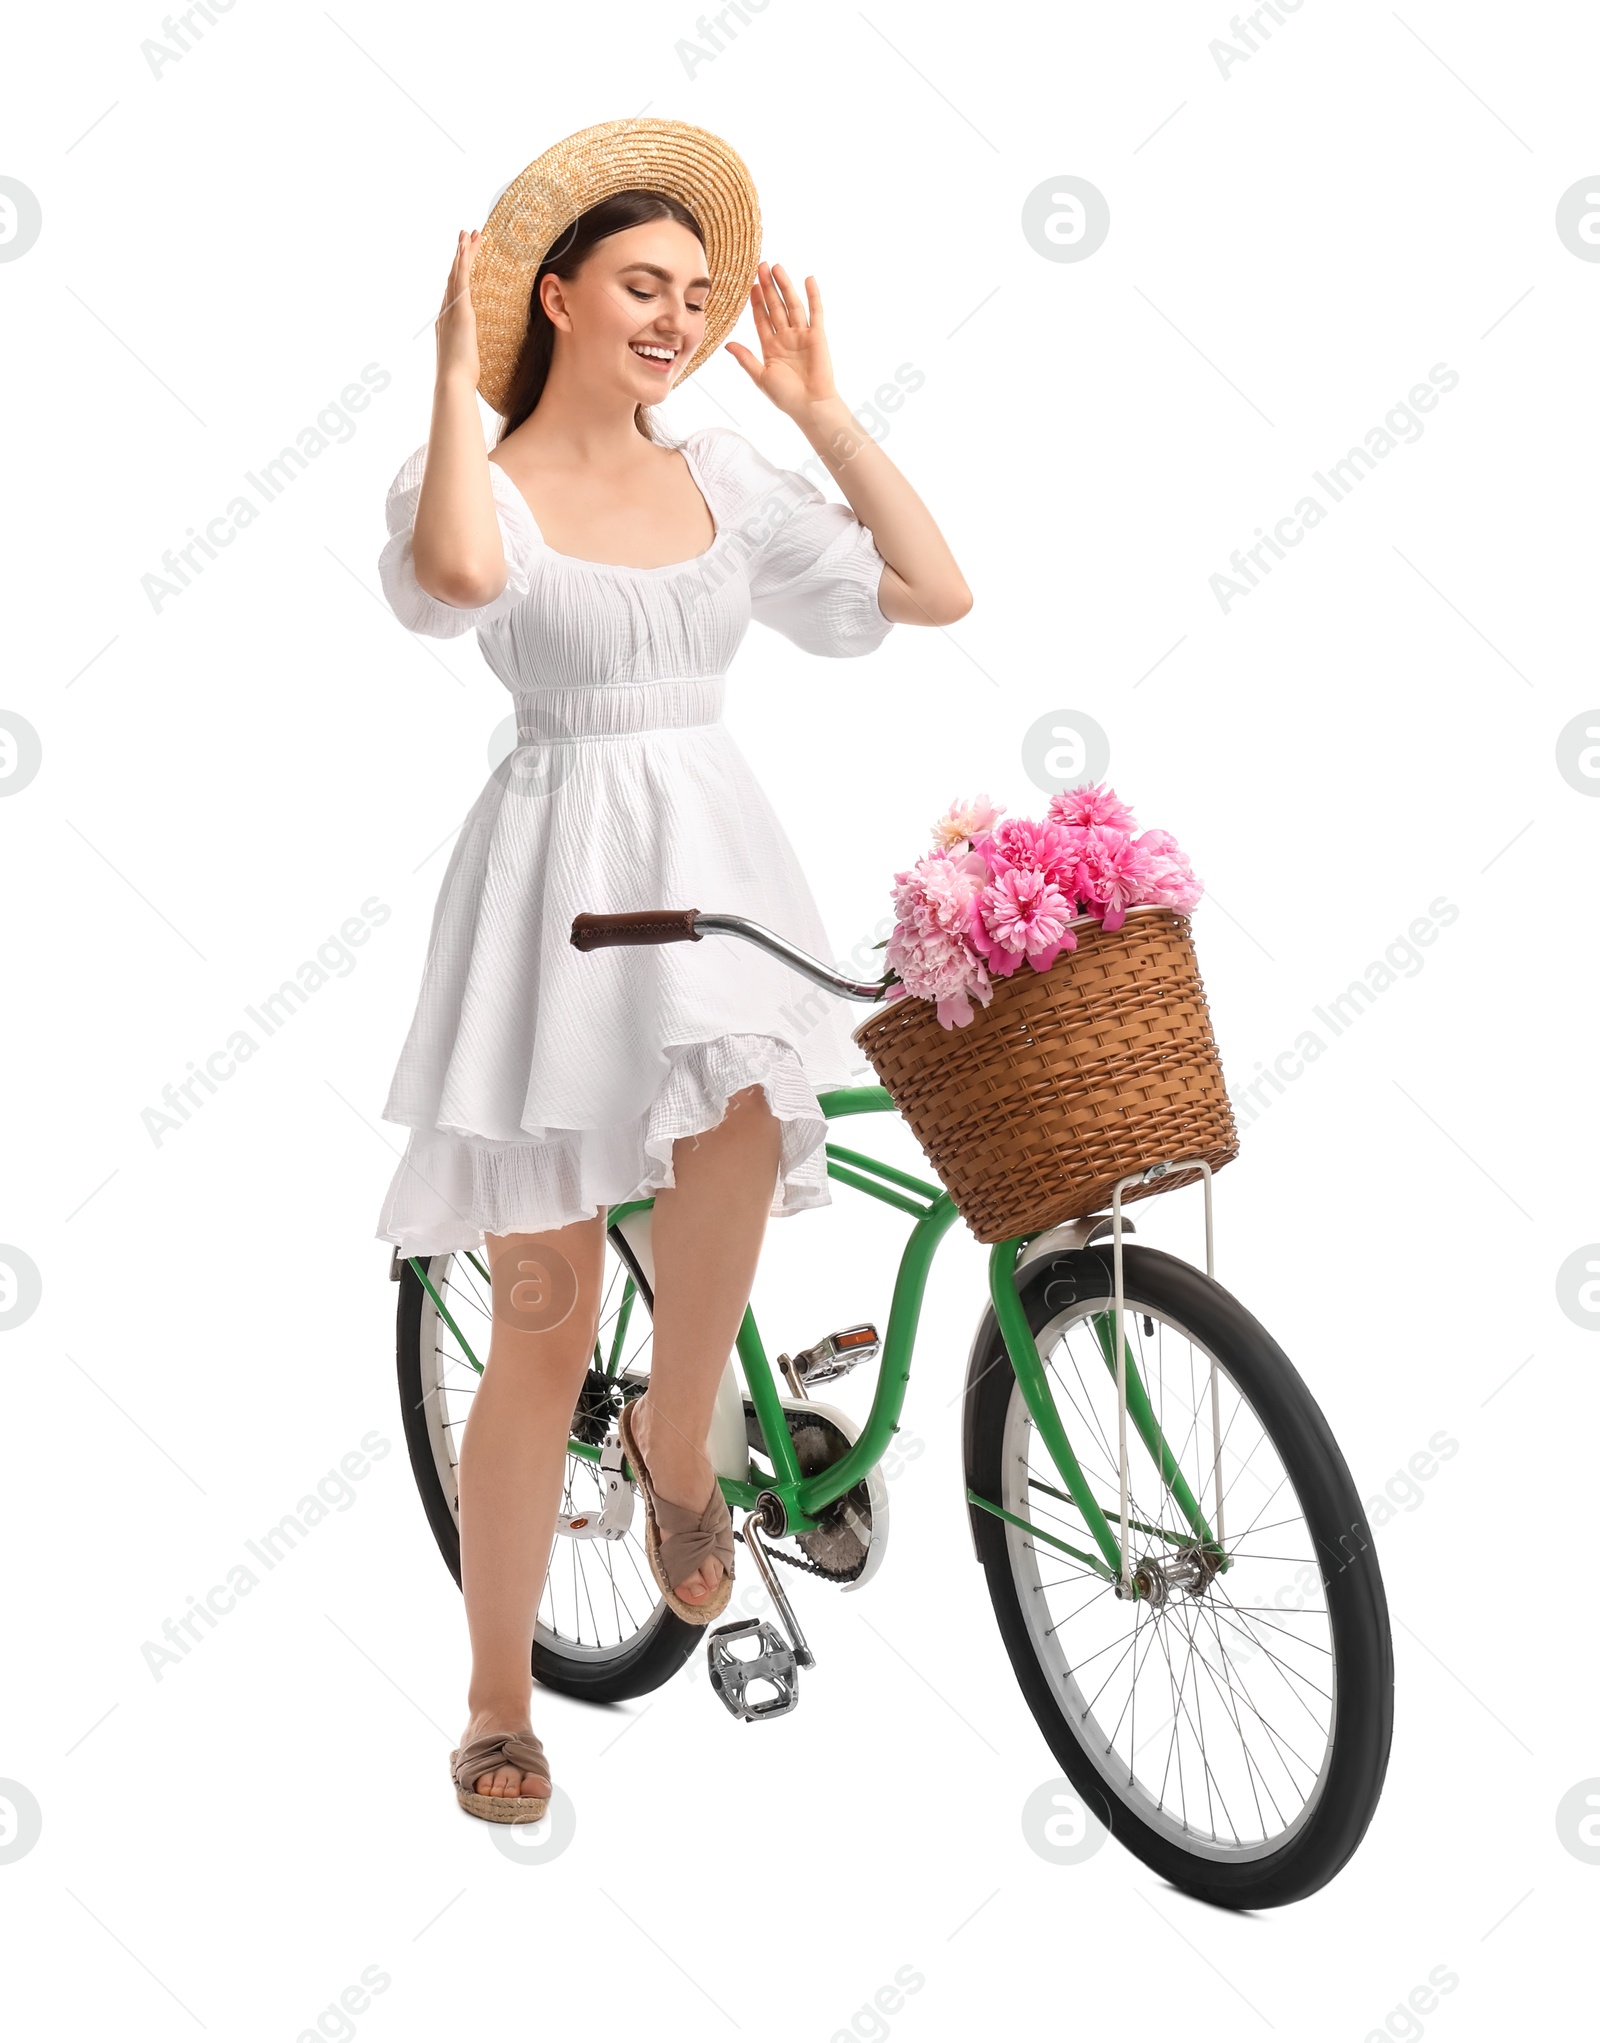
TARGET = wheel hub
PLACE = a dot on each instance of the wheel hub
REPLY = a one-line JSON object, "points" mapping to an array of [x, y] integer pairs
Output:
{"points": [[1191, 1567]]}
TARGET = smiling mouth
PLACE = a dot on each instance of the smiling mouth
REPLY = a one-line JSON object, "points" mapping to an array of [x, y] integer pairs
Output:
{"points": [[661, 358]]}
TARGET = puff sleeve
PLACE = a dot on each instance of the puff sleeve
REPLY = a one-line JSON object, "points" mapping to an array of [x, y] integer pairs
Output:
{"points": [[410, 602], [812, 566]]}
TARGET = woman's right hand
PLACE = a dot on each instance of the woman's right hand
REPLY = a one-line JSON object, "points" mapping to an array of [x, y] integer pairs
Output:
{"points": [[456, 544], [456, 329]]}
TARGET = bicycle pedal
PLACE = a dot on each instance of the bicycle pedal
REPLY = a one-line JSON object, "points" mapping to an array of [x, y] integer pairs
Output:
{"points": [[831, 1357], [733, 1674]]}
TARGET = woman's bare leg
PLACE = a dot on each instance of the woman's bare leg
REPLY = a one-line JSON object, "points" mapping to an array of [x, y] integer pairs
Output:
{"points": [[513, 1456], [706, 1240]]}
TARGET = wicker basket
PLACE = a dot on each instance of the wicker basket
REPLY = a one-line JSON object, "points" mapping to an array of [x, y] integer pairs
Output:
{"points": [[1066, 1081]]}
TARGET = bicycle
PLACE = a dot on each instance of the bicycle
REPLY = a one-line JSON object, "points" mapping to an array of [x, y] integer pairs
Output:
{"points": [[1191, 1605]]}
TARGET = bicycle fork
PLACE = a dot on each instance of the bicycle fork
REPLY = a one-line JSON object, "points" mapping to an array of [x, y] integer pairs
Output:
{"points": [[1114, 1560]]}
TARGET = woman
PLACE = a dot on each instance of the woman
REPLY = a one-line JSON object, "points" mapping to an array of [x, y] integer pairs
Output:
{"points": [[611, 575]]}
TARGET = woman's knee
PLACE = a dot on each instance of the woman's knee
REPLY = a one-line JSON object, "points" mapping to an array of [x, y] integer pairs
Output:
{"points": [[541, 1283], [746, 1115], [747, 1121]]}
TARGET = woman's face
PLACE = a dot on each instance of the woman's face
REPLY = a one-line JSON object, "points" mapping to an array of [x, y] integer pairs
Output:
{"points": [[635, 313]]}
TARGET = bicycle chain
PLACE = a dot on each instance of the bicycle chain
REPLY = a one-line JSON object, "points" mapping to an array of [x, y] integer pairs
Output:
{"points": [[798, 1561]]}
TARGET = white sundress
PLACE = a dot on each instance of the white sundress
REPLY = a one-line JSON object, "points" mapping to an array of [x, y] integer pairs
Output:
{"points": [[542, 1083]]}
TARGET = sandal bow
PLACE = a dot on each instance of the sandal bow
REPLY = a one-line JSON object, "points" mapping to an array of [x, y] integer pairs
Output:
{"points": [[688, 1538], [520, 1749], [678, 1539]]}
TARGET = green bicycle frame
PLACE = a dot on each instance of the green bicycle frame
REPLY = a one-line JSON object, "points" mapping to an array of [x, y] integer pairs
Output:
{"points": [[805, 1498]]}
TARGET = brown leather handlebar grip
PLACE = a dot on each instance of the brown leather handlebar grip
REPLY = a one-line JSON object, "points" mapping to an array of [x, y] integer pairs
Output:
{"points": [[642, 925]]}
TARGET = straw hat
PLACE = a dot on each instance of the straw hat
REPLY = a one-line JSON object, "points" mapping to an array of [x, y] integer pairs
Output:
{"points": [[689, 164]]}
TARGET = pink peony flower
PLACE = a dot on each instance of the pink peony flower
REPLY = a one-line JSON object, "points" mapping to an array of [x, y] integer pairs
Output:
{"points": [[956, 1012], [1018, 845], [1172, 883], [1021, 914], [997, 891], [1088, 807], [938, 890], [1114, 874], [938, 965], [965, 820]]}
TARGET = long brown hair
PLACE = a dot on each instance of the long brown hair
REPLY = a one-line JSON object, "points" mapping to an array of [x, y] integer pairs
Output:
{"points": [[572, 249]]}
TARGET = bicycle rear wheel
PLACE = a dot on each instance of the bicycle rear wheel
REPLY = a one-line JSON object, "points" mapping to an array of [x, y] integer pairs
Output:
{"points": [[1232, 1727], [603, 1631]]}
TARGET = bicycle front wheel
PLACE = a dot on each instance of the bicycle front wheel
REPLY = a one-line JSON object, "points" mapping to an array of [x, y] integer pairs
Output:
{"points": [[1231, 1724]]}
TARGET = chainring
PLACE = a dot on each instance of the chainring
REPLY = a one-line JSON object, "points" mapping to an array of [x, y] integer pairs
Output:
{"points": [[835, 1550]]}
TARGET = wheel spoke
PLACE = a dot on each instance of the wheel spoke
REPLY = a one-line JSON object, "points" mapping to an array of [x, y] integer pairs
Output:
{"points": [[1288, 1673], [1231, 1704], [1212, 1711]]}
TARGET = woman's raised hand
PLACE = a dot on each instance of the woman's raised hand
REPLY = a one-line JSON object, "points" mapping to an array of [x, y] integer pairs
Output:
{"points": [[920, 582], [794, 369], [456, 329]]}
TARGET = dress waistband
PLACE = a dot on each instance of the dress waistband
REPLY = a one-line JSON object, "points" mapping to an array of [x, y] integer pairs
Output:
{"points": [[616, 709]]}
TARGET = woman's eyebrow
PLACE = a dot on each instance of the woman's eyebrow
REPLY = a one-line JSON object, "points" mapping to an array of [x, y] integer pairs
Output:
{"points": [[654, 269]]}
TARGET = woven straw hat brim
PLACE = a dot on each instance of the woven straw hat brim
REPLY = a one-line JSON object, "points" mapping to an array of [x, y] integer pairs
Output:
{"points": [[689, 164]]}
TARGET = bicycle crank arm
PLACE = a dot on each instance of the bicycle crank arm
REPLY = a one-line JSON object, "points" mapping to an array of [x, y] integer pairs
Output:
{"points": [[615, 1516], [774, 1663], [756, 1546]]}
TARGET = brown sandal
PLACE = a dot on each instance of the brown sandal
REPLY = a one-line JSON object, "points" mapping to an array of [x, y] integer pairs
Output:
{"points": [[677, 1539], [472, 1761]]}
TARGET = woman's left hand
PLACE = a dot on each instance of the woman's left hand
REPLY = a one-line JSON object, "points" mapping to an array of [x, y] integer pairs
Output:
{"points": [[795, 369], [920, 582]]}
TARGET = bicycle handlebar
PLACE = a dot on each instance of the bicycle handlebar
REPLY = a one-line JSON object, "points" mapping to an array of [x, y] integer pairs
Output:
{"points": [[641, 925], [592, 932]]}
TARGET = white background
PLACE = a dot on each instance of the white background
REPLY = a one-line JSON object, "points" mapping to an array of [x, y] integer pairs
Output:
{"points": [[1292, 248]]}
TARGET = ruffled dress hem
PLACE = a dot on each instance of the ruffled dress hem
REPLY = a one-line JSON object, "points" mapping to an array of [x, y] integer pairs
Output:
{"points": [[452, 1188]]}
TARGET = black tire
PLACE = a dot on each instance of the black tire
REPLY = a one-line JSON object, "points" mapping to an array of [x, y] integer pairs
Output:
{"points": [[662, 1643], [1362, 1711]]}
